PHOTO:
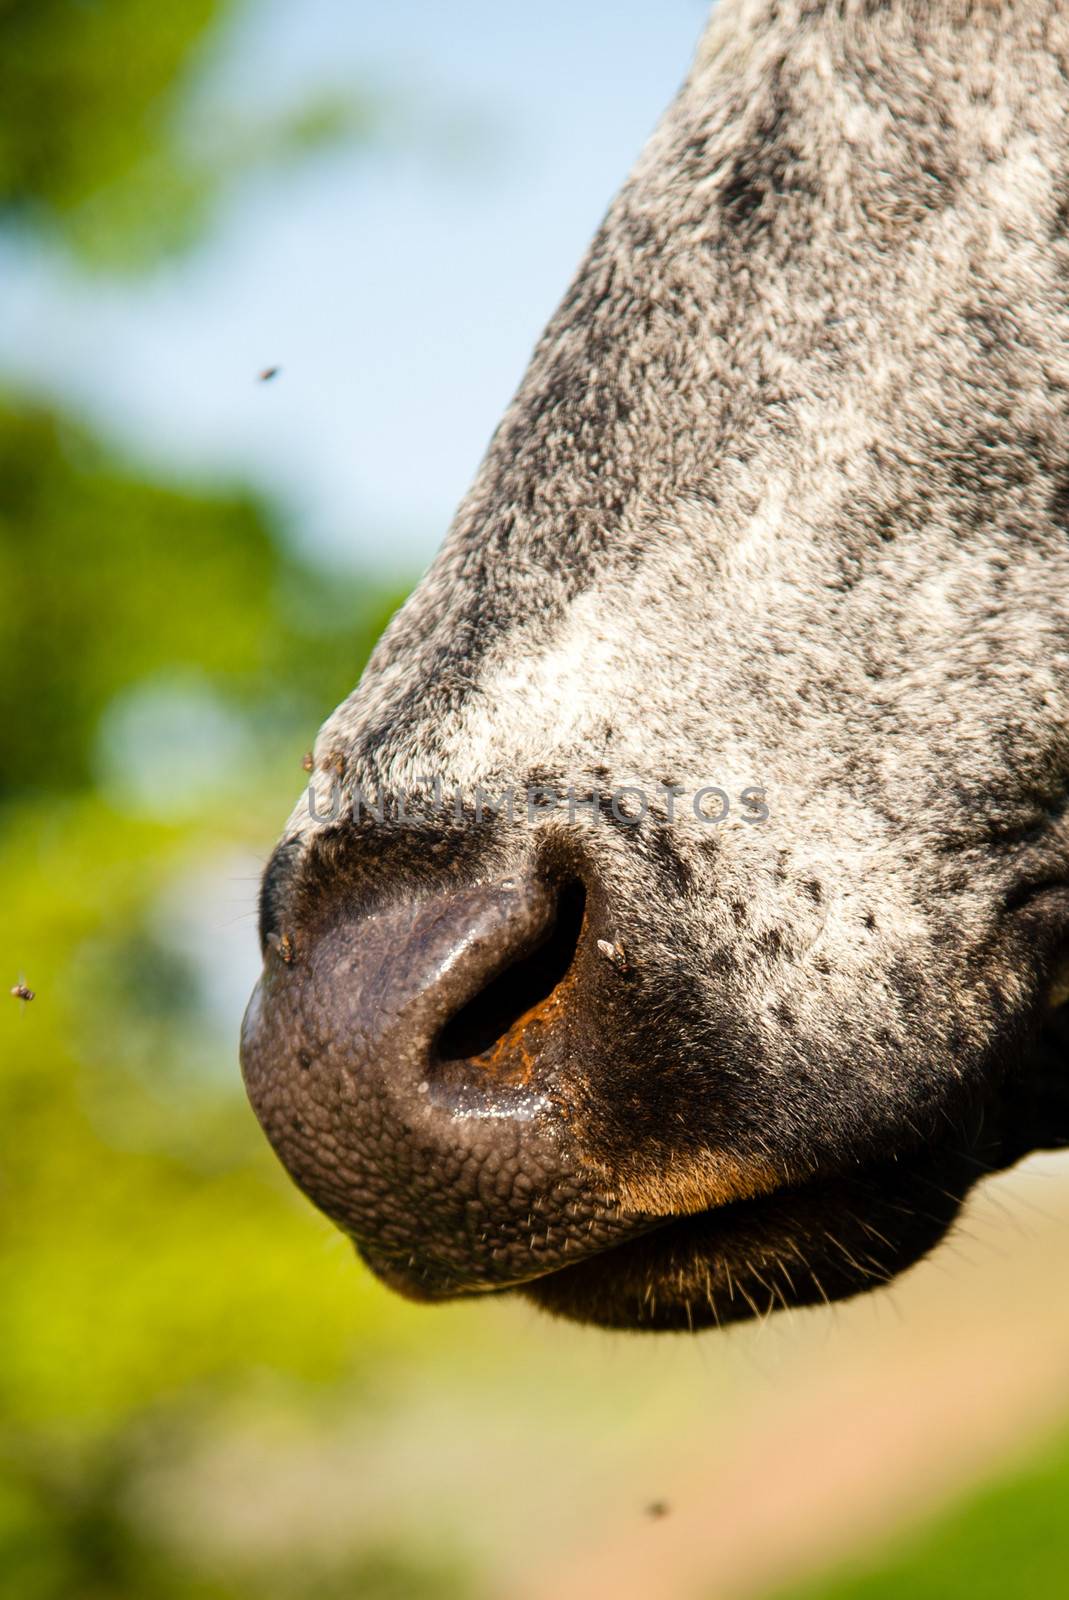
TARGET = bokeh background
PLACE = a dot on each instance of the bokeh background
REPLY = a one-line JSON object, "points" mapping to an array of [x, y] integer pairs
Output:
{"points": [[201, 1392]]}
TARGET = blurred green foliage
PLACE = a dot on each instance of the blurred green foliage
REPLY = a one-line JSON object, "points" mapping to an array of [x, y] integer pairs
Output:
{"points": [[108, 580], [104, 139], [155, 1262], [152, 1257], [87, 91]]}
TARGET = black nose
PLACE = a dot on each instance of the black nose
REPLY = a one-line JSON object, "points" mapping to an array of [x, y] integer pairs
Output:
{"points": [[414, 1066]]}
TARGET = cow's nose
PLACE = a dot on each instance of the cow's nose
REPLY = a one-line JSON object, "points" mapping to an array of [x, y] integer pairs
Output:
{"points": [[443, 1002], [405, 1064]]}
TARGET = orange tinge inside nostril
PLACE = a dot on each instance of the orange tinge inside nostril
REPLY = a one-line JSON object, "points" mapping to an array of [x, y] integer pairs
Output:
{"points": [[498, 1030]]}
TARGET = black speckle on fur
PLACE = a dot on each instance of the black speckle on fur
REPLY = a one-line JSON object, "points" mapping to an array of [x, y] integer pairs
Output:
{"points": [[1059, 502]]}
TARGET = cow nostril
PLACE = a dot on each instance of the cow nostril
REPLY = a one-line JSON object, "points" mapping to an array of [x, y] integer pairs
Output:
{"points": [[523, 986]]}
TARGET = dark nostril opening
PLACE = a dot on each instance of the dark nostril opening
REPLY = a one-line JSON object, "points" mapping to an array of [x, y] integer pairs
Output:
{"points": [[523, 985]]}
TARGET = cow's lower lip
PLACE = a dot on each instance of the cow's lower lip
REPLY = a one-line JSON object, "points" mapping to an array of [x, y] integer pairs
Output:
{"points": [[618, 1288], [825, 1240], [428, 1281]]}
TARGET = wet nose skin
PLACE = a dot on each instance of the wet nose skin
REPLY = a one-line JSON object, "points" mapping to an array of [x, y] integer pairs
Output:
{"points": [[408, 1066]]}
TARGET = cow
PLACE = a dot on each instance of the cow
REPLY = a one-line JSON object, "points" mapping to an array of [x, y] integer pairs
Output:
{"points": [[675, 926]]}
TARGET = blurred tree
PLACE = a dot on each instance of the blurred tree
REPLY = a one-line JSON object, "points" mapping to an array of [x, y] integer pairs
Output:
{"points": [[86, 89], [103, 140], [154, 1263], [107, 579]]}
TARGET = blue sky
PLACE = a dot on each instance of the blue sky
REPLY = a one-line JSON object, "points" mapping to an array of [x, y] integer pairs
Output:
{"points": [[399, 289]]}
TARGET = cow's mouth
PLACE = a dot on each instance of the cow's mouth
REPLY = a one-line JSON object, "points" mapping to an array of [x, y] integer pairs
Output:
{"points": [[824, 1241], [821, 1241]]}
